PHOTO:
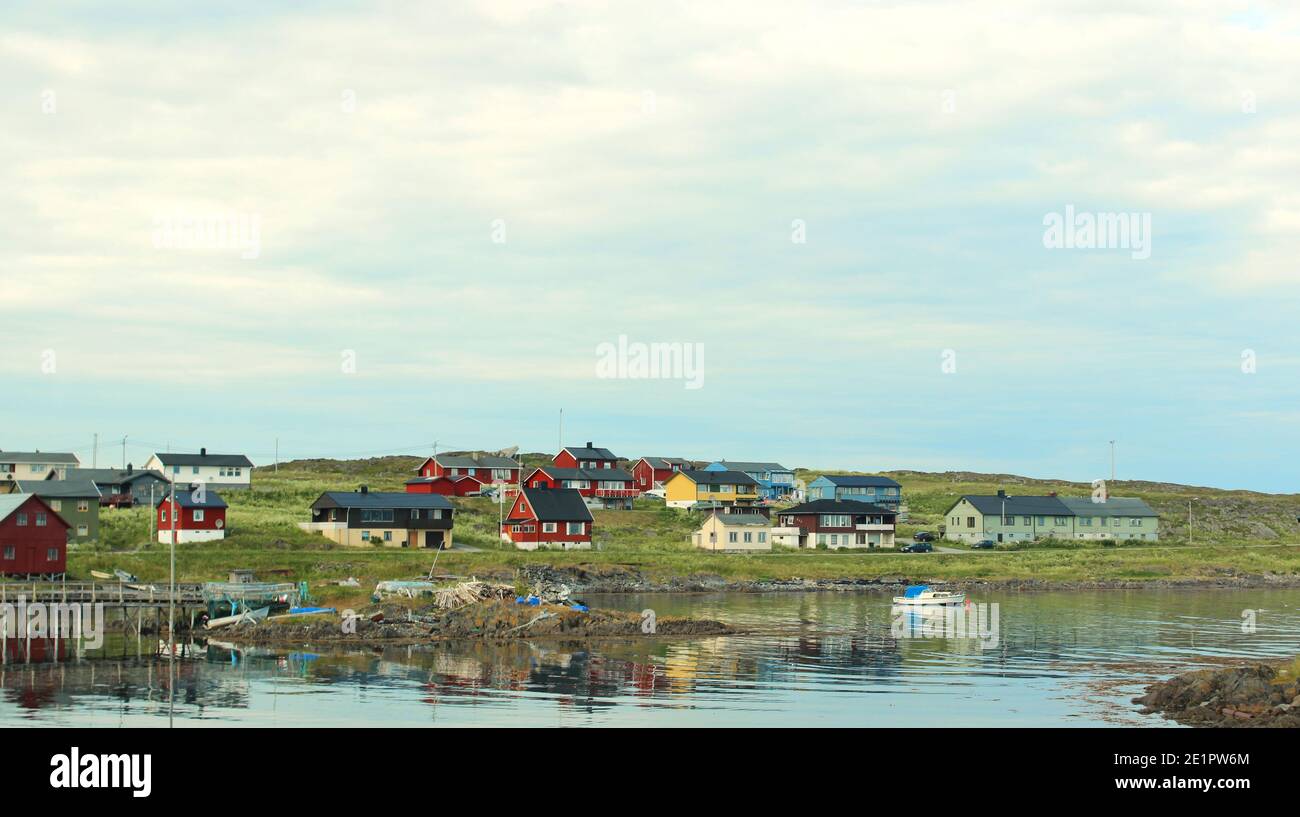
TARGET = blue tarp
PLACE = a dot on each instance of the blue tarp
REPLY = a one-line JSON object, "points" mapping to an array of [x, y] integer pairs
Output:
{"points": [[915, 590]]}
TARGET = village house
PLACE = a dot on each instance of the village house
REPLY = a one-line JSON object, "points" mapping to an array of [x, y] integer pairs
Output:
{"points": [[651, 473], [446, 485], [734, 532], [605, 488], [223, 470], [199, 515], [36, 465], [774, 480], [586, 457], [33, 538], [548, 517], [126, 488], [75, 500], [488, 469], [714, 489], [837, 523], [876, 490], [1006, 518], [392, 519]]}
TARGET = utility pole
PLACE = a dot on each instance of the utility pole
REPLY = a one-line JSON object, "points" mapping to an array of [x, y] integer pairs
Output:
{"points": [[277, 455], [1189, 520], [560, 440], [171, 617], [94, 459], [123, 453], [1112, 460]]}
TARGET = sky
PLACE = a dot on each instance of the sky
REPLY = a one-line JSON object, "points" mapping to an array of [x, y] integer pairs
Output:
{"points": [[432, 222]]}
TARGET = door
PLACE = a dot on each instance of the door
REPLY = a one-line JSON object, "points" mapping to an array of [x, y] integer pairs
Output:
{"points": [[433, 539]]}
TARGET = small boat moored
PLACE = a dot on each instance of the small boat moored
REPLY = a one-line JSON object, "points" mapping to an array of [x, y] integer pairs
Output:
{"points": [[923, 595], [246, 616]]}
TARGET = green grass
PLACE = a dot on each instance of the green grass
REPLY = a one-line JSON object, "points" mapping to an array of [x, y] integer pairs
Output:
{"points": [[263, 535]]}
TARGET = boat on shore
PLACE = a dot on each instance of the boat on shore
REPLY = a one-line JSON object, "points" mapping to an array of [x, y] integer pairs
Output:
{"points": [[922, 595], [246, 616]]}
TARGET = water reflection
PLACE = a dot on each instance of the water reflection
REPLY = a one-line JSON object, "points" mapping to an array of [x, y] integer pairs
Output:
{"points": [[819, 658]]}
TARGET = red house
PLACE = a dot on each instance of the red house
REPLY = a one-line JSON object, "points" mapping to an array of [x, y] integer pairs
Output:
{"points": [[199, 516], [461, 485], [611, 489], [486, 468], [653, 472], [33, 538], [586, 457], [554, 517], [837, 523]]}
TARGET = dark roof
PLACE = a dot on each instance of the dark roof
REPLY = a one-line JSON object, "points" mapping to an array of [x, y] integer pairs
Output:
{"points": [[479, 461], [666, 462], [1024, 505], [588, 452], [116, 476], [838, 506], [719, 477], [753, 466], [448, 477], [1114, 506], [855, 481], [186, 500], [557, 505], [594, 474], [38, 457], [228, 460], [56, 488], [381, 499]]}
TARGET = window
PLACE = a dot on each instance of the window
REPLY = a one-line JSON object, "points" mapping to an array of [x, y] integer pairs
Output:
{"points": [[1085, 521], [1061, 521], [388, 536], [577, 528], [749, 537], [36, 469], [57, 505], [365, 534], [377, 515], [22, 520], [821, 538], [83, 506], [1028, 521], [1135, 522], [731, 536], [1117, 521], [82, 530], [10, 552], [549, 527], [415, 513], [162, 517], [1041, 520], [970, 521], [762, 537], [837, 520], [176, 469], [198, 515], [52, 555], [40, 520], [194, 469]]}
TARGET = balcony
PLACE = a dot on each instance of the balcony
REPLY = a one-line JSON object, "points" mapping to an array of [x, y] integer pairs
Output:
{"points": [[883, 528], [617, 493]]}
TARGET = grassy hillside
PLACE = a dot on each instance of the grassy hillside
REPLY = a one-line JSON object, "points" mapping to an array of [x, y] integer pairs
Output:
{"points": [[1233, 532]]}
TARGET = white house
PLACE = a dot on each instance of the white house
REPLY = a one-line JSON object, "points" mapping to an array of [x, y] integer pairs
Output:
{"points": [[225, 470], [36, 465]]}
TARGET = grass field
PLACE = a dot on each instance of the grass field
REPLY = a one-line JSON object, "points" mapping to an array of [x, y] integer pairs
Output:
{"points": [[1237, 532]]}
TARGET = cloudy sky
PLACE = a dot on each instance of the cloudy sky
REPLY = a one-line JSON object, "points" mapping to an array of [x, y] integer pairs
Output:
{"points": [[439, 216]]}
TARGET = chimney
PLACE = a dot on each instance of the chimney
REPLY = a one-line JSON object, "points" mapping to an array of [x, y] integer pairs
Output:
{"points": [[365, 489], [203, 452], [1051, 493], [1002, 493], [589, 443], [130, 467]]}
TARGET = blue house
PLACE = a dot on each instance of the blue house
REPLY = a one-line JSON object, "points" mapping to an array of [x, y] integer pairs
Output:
{"points": [[876, 490], [775, 481]]}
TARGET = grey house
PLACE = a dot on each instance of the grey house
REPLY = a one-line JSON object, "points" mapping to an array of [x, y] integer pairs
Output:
{"points": [[124, 489], [1006, 518]]}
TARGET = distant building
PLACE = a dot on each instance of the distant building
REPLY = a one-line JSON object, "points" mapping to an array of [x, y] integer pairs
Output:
{"points": [[737, 532], [715, 488], [459, 485], [33, 538], [199, 515], [122, 489], [652, 472], [223, 470], [1005, 518], [36, 465], [774, 480], [75, 500], [586, 457], [486, 468], [605, 488], [837, 523], [550, 517], [365, 517], [876, 490]]}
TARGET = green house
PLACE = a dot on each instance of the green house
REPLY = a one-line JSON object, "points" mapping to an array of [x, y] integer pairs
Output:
{"points": [[76, 501], [1005, 518]]}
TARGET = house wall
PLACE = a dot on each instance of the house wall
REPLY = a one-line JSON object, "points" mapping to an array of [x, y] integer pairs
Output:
{"points": [[715, 534], [965, 523], [814, 534], [207, 474], [34, 470], [31, 543], [81, 514], [391, 537]]}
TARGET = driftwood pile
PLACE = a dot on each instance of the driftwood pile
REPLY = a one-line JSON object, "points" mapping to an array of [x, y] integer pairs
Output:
{"points": [[470, 592]]}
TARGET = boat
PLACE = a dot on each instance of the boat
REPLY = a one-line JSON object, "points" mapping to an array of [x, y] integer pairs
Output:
{"points": [[246, 616], [124, 576], [99, 574], [923, 595]]}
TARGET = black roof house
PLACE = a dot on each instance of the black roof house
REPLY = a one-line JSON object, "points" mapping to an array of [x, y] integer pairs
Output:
{"points": [[556, 505]]}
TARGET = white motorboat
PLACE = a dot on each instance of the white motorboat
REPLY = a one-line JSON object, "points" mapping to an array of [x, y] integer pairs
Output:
{"points": [[246, 616], [922, 595]]}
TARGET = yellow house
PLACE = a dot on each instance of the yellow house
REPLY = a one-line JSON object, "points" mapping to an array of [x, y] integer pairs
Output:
{"points": [[686, 488], [734, 532]]}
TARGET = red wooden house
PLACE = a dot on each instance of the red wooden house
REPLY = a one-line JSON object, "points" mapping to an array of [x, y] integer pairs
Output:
{"points": [[653, 472], [611, 489], [461, 485], [33, 538], [837, 523], [199, 516], [553, 517], [586, 457], [486, 468]]}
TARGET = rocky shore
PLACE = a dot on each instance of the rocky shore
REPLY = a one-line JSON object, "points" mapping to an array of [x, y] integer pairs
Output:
{"points": [[1254, 695]]}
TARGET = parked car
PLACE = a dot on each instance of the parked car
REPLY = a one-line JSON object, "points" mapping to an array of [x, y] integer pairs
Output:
{"points": [[984, 544], [923, 536], [918, 547]]}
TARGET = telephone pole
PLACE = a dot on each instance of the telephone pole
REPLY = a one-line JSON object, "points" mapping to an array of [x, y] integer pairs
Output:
{"points": [[94, 459], [1112, 460]]}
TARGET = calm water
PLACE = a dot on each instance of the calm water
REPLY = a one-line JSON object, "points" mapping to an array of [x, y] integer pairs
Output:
{"points": [[827, 659]]}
